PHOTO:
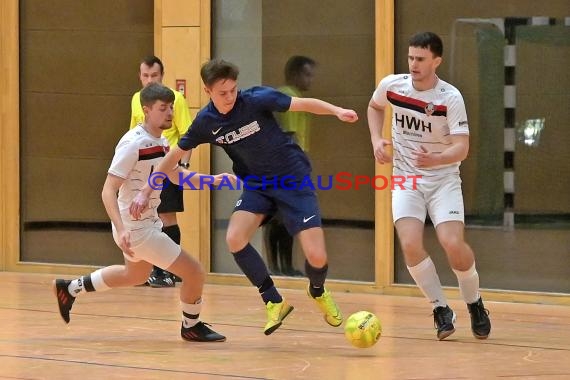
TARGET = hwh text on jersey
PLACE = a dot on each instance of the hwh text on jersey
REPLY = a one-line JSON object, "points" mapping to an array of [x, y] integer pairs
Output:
{"points": [[411, 122]]}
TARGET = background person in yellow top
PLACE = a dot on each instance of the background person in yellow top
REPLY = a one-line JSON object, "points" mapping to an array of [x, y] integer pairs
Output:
{"points": [[299, 74], [171, 197]]}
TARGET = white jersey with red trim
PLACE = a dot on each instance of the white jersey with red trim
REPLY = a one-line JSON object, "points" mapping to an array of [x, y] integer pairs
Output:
{"points": [[422, 118], [136, 156]]}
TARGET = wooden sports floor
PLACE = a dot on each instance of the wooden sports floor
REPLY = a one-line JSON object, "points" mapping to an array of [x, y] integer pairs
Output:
{"points": [[134, 334]]}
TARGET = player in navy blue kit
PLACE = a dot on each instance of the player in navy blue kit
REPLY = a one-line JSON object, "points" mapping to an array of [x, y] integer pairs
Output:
{"points": [[272, 166]]}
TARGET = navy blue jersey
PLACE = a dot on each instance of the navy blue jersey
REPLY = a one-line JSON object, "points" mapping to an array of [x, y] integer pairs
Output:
{"points": [[250, 135]]}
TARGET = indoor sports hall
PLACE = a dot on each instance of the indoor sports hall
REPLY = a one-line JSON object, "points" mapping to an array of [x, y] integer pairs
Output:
{"points": [[69, 70]]}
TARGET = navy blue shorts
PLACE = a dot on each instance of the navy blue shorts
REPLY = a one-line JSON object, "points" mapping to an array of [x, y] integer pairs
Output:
{"points": [[299, 209]]}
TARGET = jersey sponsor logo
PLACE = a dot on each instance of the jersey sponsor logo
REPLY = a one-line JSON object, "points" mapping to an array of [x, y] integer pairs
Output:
{"points": [[305, 220], [243, 132], [412, 134], [410, 122]]}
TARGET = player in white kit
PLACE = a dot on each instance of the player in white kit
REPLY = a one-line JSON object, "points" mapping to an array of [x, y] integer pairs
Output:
{"points": [[142, 241], [430, 138]]}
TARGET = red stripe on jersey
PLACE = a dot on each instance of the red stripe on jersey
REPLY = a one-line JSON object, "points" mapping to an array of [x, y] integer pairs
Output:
{"points": [[413, 102], [152, 150]]}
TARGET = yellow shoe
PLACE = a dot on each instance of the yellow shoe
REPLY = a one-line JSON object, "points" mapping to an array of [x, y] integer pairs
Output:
{"points": [[332, 316], [276, 313]]}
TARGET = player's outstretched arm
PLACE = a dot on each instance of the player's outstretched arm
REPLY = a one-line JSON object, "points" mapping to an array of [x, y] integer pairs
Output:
{"points": [[320, 107], [168, 166], [192, 180]]}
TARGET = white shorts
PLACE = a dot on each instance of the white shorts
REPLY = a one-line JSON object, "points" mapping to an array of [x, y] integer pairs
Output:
{"points": [[443, 200], [152, 246]]}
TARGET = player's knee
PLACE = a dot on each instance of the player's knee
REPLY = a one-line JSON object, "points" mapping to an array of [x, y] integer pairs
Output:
{"points": [[191, 269], [411, 247], [318, 262], [317, 258], [235, 241], [451, 244], [199, 271], [195, 273]]}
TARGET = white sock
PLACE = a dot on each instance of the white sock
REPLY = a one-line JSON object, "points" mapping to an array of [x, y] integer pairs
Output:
{"points": [[90, 283], [76, 286], [468, 284], [97, 281], [425, 276], [191, 313]]}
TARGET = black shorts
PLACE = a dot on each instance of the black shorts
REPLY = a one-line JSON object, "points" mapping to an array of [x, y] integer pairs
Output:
{"points": [[171, 199]]}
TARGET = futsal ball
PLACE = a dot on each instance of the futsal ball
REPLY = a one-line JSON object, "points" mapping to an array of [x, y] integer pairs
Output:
{"points": [[362, 329]]}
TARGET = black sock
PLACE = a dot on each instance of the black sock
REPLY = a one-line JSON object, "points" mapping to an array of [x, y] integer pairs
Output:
{"points": [[317, 277], [173, 233], [252, 265], [269, 292], [88, 284]]}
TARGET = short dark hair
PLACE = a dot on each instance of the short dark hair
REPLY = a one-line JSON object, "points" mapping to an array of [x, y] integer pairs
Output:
{"points": [[150, 60], [156, 91], [216, 69], [427, 40], [294, 66]]}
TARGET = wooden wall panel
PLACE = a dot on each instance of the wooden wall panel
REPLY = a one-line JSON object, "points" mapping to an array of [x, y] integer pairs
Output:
{"points": [[82, 61], [182, 40], [60, 189], [78, 70], [122, 16], [180, 54], [180, 13], [103, 119], [9, 136]]}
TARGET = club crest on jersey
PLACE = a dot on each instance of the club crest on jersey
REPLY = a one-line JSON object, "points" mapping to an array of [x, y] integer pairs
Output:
{"points": [[429, 108]]}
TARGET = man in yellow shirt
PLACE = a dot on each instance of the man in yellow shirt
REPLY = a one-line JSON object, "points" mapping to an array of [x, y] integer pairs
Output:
{"points": [[299, 73], [171, 197]]}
